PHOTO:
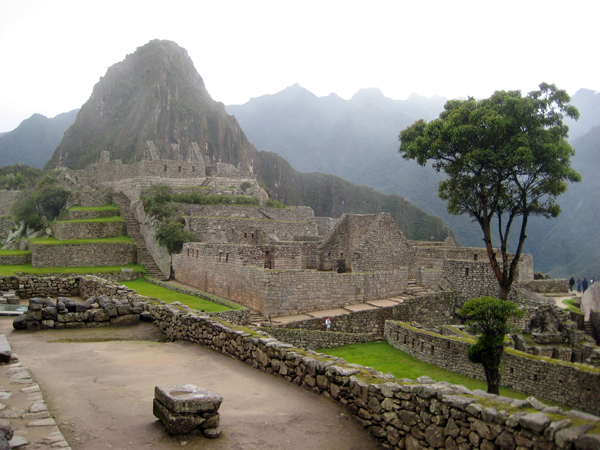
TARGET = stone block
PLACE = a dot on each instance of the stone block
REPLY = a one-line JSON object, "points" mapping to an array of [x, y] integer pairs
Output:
{"points": [[123, 321], [5, 349], [188, 399], [176, 423]]}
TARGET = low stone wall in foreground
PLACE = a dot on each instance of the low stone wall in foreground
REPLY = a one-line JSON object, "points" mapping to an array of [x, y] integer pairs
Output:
{"points": [[399, 414]]}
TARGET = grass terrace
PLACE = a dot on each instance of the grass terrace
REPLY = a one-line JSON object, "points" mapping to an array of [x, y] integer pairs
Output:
{"points": [[384, 357], [98, 219], [54, 241], [28, 269], [95, 208], [142, 287], [14, 252]]}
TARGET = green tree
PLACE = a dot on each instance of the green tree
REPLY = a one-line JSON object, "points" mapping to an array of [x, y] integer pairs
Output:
{"points": [[489, 317], [506, 158]]}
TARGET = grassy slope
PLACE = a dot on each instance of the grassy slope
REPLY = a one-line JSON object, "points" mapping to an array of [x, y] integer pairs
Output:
{"points": [[142, 287], [29, 269], [385, 358]]}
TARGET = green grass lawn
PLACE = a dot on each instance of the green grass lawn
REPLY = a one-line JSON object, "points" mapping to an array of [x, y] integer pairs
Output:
{"points": [[383, 357], [14, 252], [94, 208], [54, 241], [142, 287], [98, 219], [28, 269]]}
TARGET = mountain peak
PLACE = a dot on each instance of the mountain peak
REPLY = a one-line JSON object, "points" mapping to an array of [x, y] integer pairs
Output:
{"points": [[153, 104]]}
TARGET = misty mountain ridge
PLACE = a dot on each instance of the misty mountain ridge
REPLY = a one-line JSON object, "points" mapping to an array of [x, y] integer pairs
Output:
{"points": [[34, 140], [154, 105], [357, 140]]}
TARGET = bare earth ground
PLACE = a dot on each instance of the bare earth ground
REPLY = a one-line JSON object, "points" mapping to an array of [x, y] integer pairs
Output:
{"points": [[100, 393]]}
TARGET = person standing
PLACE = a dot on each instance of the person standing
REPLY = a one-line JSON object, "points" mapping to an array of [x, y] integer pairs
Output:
{"points": [[578, 284], [328, 324], [584, 285], [571, 283]]}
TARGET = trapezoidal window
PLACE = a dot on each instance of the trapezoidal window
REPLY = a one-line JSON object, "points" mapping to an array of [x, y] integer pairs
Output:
{"points": [[179, 169], [220, 256], [475, 257], [193, 168], [466, 272], [165, 168], [226, 257]]}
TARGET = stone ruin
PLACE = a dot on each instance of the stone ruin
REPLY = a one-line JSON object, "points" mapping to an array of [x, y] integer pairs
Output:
{"points": [[185, 408]]}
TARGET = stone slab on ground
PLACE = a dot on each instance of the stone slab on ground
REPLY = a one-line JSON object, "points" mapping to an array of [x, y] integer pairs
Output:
{"points": [[382, 303], [360, 307], [289, 319], [328, 313]]}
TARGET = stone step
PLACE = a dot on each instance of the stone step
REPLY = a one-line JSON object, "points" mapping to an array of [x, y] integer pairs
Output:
{"points": [[133, 229]]}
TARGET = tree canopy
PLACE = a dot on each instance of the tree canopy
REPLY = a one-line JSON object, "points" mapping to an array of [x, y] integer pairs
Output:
{"points": [[489, 317], [506, 158]]}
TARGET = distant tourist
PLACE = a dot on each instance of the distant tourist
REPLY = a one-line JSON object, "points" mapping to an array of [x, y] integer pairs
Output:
{"points": [[328, 324], [571, 283], [578, 284], [584, 284]]}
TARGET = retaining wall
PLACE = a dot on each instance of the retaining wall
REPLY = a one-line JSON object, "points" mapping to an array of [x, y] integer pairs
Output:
{"points": [[277, 293], [87, 230], [15, 260], [82, 255], [83, 214], [567, 383], [314, 340], [289, 214], [547, 286], [399, 414]]}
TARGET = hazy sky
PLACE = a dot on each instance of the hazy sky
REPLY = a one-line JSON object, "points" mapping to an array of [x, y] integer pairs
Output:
{"points": [[54, 51]]}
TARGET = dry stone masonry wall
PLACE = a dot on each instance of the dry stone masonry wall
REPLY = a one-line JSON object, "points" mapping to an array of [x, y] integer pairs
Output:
{"points": [[82, 255], [87, 230], [399, 414], [566, 383]]}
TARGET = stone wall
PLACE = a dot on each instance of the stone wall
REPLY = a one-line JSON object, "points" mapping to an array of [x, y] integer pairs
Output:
{"points": [[87, 230], [567, 383], [15, 260], [314, 340], [399, 414], [212, 268], [84, 214], [289, 214], [82, 255], [595, 321], [215, 229], [90, 199], [6, 200], [372, 321], [6, 225], [547, 286]]}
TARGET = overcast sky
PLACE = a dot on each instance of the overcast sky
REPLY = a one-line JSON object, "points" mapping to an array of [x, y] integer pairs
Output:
{"points": [[54, 51]]}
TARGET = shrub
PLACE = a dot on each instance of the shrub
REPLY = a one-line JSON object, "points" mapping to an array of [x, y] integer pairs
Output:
{"points": [[51, 199], [275, 204], [172, 235], [245, 185]]}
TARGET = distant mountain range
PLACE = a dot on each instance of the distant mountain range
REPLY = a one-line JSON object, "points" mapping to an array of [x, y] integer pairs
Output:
{"points": [[156, 94], [33, 142]]}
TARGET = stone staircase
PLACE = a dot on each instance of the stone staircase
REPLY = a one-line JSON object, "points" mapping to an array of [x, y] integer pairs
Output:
{"points": [[256, 318], [133, 230], [415, 289], [587, 327]]}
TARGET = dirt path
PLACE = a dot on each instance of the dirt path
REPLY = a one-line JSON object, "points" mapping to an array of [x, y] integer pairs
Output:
{"points": [[100, 394]]}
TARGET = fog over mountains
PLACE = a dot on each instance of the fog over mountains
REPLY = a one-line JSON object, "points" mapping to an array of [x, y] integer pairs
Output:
{"points": [[295, 131], [357, 139]]}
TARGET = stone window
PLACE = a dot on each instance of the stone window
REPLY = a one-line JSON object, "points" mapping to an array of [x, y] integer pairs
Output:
{"points": [[226, 257], [405, 338], [193, 168], [197, 253], [220, 256], [245, 235], [165, 167], [466, 272], [475, 257], [179, 169], [432, 350]]}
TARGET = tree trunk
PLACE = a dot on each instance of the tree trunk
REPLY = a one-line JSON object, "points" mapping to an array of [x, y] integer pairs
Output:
{"points": [[492, 376]]}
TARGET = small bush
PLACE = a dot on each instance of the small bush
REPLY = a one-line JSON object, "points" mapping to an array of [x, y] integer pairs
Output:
{"points": [[245, 185], [172, 235], [275, 204]]}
